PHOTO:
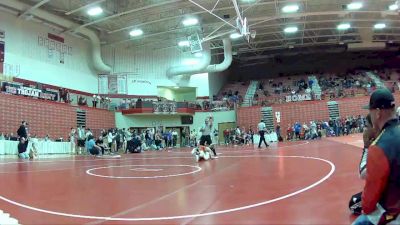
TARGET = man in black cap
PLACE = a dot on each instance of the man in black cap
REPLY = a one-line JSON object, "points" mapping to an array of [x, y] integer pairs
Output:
{"points": [[381, 195]]}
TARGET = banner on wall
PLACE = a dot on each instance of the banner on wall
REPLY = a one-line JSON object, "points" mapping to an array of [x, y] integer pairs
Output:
{"points": [[2, 50], [103, 84], [121, 85], [298, 98], [18, 89]]}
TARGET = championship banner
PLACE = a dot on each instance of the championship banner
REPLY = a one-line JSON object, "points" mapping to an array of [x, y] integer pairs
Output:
{"points": [[18, 89], [2, 51], [298, 98]]}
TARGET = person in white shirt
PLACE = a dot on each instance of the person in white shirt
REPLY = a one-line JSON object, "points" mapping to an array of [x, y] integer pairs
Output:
{"points": [[261, 131], [81, 139], [72, 140], [206, 131]]}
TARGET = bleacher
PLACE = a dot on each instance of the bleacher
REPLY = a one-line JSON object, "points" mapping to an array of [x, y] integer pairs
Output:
{"points": [[340, 86], [391, 79], [274, 90]]}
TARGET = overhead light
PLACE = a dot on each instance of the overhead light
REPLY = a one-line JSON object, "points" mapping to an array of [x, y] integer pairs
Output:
{"points": [[95, 11], [176, 87], [183, 43], [235, 36], [291, 29], [343, 26], [198, 54], [190, 21], [379, 26], [136, 32], [354, 6], [290, 8], [393, 7]]}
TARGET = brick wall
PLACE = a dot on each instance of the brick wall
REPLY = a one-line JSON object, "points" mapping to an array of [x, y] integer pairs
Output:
{"points": [[300, 112], [45, 117], [248, 116]]}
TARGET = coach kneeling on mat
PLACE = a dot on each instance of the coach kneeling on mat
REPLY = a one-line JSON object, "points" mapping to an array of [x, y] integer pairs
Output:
{"points": [[381, 195], [92, 147]]}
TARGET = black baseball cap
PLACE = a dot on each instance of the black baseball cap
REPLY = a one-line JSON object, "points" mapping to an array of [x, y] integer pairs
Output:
{"points": [[381, 99]]}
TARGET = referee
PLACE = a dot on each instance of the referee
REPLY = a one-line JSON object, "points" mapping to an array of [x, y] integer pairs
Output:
{"points": [[261, 131], [206, 131]]}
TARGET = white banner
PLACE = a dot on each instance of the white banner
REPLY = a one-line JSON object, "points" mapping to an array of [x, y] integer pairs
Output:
{"points": [[298, 98], [122, 84], [103, 84]]}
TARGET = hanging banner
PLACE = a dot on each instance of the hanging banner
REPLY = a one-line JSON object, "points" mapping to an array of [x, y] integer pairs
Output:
{"points": [[298, 98], [2, 50], [122, 83], [103, 84], [18, 89]]}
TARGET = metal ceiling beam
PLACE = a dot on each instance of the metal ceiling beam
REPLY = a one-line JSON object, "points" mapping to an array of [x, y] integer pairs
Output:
{"points": [[261, 20], [127, 12], [180, 16], [37, 5], [260, 26], [84, 6]]}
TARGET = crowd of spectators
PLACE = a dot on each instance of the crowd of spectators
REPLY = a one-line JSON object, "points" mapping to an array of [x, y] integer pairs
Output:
{"points": [[318, 129], [336, 86]]}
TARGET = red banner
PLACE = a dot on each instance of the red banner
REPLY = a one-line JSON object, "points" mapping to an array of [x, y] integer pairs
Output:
{"points": [[1, 56]]}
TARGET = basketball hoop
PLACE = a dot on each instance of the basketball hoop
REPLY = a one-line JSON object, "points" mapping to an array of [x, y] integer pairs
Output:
{"points": [[243, 28]]}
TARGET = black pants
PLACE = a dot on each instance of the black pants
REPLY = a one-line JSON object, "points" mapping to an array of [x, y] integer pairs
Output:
{"points": [[207, 138], [262, 138]]}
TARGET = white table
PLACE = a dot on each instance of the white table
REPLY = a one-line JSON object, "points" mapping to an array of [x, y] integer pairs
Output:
{"points": [[43, 147]]}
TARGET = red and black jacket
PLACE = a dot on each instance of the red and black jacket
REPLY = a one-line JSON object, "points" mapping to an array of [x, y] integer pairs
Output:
{"points": [[383, 171]]}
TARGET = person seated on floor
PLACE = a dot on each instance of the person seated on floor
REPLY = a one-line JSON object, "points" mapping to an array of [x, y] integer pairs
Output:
{"points": [[202, 153], [91, 146], [33, 147], [369, 136], [22, 149]]}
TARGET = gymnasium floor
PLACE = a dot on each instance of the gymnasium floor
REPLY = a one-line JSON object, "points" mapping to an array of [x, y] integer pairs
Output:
{"points": [[290, 183]]}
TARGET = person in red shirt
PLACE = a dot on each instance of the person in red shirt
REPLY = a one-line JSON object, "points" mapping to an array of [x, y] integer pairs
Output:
{"points": [[381, 194]]}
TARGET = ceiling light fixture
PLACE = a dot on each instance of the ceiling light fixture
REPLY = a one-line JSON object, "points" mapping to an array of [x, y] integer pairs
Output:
{"points": [[291, 29], [136, 32], [394, 7], [95, 11], [190, 21], [379, 26], [343, 26], [235, 36], [354, 6], [290, 8]]}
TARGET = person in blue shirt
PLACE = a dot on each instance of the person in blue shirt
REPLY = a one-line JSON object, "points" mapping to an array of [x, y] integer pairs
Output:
{"points": [[297, 130], [92, 147]]}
